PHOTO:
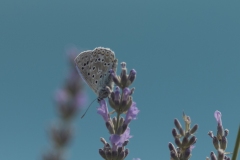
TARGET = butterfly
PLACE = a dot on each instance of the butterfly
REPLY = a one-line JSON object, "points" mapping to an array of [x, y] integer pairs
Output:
{"points": [[93, 66]]}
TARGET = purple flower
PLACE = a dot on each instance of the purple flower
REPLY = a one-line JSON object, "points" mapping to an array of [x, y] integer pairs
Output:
{"points": [[132, 113], [218, 115], [191, 147], [118, 140], [126, 94], [61, 97], [103, 110], [80, 99]]}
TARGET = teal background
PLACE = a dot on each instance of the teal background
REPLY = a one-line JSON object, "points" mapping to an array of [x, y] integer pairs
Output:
{"points": [[186, 54]]}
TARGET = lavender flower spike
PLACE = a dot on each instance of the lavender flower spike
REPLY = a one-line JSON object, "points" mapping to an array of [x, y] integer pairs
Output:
{"points": [[131, 114], [103, 110]]}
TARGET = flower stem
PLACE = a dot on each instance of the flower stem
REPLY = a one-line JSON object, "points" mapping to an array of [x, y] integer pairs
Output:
{"points": [[237, 144]]}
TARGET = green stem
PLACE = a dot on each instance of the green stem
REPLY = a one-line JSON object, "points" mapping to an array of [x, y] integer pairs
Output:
{"points": [[118, 115], [237, 144]]}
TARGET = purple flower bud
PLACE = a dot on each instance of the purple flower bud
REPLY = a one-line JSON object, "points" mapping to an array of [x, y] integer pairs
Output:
{"points": [[173, 155], [123, 64], [226, 132], [187, 153], [132, 75], [102, 153], [178, 142], [174, 133], [103, 140], [218, 115], [117, 96], [114, 77], [131, 113], [192, 140], [126, 93], [215, 143], [194, 129], [177, 124], [110, 127], [210, 133], [103, 110], [123, 74], [213, 156], [126, 153], [171, 147], [223, 144]]}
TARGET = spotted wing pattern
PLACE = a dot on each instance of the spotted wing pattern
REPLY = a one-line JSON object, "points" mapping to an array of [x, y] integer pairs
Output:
{"points": [[94, 66]]}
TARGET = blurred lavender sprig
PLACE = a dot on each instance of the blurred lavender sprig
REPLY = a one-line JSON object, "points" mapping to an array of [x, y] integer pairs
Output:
{"points": [[219, 140], [184, 139], [122, 102], [69, 101]]}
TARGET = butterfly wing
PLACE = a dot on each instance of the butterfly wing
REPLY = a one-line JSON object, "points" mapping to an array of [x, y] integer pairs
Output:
{"points": [[94, 66], [83, 65]]}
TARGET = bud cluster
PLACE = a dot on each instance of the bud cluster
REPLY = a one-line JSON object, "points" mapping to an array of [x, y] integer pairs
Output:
{"points": [[220, 140], [121, 101], [184, 139], [108, 153]]}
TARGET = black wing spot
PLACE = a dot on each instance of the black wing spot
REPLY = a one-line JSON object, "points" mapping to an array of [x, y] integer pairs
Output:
{"points": [[102, 60], [88, 74], [93, 75], [96, 82], [100, 76], [95, 60], [105, 64], [108, 63], [99, 59], [84, 64], [82, 68], [94, 68], [87, 62]]}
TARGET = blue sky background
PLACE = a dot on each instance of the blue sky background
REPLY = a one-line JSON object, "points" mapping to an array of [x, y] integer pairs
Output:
{"points": [[186, 54]]}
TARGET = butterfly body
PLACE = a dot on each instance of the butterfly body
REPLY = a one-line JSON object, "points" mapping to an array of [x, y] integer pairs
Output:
{"points": [[93, 66]]}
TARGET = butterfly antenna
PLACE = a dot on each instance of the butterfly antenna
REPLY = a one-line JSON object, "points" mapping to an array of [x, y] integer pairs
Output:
{"points": [[88, 108]]}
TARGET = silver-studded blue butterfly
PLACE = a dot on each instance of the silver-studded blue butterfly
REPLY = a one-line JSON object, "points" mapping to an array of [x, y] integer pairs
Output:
{"points": [[93, 66]]}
